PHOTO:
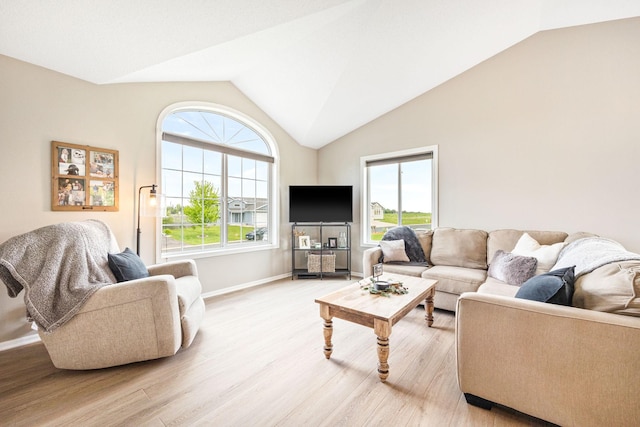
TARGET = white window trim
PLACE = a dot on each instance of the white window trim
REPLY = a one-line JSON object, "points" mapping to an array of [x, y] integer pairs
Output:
{"points": [[274, 226], [364, 185]]}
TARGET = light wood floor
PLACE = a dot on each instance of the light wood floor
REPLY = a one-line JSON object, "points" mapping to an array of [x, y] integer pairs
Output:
{"points": [[258, 361]]}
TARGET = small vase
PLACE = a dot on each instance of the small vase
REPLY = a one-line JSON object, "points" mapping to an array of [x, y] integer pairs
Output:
{"points": [[342, 240]]}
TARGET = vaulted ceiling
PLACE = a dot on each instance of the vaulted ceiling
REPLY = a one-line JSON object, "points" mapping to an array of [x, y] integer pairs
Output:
{"points": [[319, 68]]}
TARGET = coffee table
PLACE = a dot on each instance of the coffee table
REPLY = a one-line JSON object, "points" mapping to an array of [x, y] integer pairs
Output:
{"points": [[354, 304]]}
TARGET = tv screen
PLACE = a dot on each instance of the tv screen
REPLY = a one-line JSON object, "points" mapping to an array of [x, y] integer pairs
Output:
{"points": [[320, 203]]}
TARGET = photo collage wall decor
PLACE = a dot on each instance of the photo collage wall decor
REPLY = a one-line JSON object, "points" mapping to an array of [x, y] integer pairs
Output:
{"points": [[84, 178]]}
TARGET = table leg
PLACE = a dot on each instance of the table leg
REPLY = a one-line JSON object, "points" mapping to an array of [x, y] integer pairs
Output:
{"points": [[429, 308], [383, 356], [327, 330], [382, 330]]}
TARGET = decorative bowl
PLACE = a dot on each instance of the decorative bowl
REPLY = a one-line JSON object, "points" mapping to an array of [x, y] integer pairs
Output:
{"points": [[381, 285]]}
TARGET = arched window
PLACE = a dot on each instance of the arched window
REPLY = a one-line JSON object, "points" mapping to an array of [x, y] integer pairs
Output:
{"points": [[217, 184]]}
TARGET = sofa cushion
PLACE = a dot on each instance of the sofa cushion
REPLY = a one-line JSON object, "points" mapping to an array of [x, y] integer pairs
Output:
{"points": [[494, 286], [406, 269], [393, 250], [456, 280], [425, 237], [613, 288], [459, 248], [547, 255], [555, 287], [577, 236], [506, 239], [512, 269], [127, 266]]}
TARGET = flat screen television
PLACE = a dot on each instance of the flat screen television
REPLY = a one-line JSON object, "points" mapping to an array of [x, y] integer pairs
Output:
{"points": [[320, 203]]}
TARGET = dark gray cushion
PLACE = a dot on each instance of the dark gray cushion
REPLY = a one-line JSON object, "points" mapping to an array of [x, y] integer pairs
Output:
{"points": [[555, 287], [127, 266], [512, 269]]}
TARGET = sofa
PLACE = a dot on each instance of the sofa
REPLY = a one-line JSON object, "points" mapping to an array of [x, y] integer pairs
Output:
{"points": [[571, 365], [457, 258]]}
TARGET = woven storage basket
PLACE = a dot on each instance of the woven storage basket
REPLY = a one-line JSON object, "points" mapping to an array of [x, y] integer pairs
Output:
{"points": [[328, 263]]}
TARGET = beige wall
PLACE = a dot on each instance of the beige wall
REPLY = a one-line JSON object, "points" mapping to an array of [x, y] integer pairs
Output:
{"points": [[38, 106], [545, 135]]}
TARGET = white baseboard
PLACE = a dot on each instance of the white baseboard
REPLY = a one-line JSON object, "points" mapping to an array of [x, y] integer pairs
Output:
{"points": [[19, 342], [242, 286]]}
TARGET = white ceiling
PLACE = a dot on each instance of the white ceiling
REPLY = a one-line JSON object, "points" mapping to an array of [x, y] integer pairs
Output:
{"points": [[319, 68]]}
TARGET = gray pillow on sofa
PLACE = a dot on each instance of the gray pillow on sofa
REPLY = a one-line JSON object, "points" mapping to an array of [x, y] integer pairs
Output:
{"points": [[512, 269], [555, 287]]}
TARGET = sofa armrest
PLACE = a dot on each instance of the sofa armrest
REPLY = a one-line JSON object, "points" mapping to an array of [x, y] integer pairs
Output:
{"points": [[135, 320], [566, 365], [177, 269], [370, 257]]}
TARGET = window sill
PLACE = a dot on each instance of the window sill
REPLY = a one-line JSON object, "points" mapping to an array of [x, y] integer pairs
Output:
{"points": [[196, 254]]}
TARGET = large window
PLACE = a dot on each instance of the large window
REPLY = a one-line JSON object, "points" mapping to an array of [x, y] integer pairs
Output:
{"points": [[217, 171], [399, 188]]}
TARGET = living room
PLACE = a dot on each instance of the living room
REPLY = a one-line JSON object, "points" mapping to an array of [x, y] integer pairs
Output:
{"points": [[543, 135]]}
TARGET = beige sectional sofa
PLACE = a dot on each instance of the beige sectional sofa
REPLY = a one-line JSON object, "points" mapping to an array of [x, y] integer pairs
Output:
{"points": [[458, 258], [570, 365]]}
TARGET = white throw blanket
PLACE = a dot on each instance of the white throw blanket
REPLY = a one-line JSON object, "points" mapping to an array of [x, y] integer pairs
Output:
{"points": [[59, 266], [592, 252]]}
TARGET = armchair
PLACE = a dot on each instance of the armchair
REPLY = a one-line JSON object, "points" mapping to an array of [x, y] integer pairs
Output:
{"points": [[85, 320], [132, 321]]}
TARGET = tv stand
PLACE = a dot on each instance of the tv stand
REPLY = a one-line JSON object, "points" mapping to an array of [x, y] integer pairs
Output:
{"points": [[323, 251]]}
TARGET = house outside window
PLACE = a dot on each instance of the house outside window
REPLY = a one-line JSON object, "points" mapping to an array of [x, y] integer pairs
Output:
{"points": [[399, 188], [217, 182]]}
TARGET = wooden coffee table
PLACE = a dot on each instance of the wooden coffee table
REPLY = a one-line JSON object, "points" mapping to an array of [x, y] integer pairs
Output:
{"points": [[376, 311]]}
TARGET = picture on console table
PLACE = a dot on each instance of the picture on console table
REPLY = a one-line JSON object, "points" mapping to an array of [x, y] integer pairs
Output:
{"points": [[304, 242], [333, 242]]}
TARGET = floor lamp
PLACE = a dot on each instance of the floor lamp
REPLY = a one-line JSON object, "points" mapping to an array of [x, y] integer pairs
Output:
{"points": [[152, 202]]}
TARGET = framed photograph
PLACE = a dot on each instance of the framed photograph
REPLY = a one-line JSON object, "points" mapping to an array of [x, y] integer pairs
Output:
{"points": [[304, 242], [101, 164], [83, 178], [333, 242]]}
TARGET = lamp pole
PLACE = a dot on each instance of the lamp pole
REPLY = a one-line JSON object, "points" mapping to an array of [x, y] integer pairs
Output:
{"points": [[152, 194]]}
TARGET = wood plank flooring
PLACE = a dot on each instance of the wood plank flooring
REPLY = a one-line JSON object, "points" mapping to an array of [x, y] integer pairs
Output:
{"points": [[258, 361]]}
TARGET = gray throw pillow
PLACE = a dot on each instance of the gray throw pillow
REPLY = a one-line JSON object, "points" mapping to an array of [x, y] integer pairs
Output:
{"points": [[555, 287], [512, 269], [127, 266]]}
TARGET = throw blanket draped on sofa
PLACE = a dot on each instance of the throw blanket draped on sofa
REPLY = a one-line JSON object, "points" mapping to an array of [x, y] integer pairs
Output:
{"points": [[412, 245], [589, 253], [59, 266]]}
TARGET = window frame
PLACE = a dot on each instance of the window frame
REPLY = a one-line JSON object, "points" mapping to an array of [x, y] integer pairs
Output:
{"points": [[395, 157], [273, 190]]}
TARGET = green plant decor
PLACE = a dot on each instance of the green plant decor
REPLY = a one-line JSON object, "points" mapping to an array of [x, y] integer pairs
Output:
{"points": [[395, 287]]}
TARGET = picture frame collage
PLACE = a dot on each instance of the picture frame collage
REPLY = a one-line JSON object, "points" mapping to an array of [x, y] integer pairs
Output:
{"points": [[83, 178]]}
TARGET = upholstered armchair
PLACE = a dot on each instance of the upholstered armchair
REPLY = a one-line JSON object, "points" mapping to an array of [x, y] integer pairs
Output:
{"points": [[95, 306], [131, 321]]}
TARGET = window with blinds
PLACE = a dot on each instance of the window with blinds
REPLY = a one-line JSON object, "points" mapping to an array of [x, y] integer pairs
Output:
{"points": [[217, 176], [398, 188]]}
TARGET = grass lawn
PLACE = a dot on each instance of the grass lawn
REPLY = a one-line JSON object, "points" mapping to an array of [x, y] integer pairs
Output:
{"points": [[408, 218], [193, 234]]}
